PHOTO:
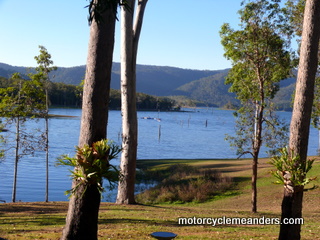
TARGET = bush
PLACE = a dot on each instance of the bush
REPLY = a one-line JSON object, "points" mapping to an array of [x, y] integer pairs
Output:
{"points": [[186, 184]]}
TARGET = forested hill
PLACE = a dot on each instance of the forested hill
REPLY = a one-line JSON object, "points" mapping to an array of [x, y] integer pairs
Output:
{"points": [[201, 85], [155, 80]]}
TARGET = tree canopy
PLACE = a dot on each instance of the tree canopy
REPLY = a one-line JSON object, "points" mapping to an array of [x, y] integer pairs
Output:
{"points": [[260, 60]]}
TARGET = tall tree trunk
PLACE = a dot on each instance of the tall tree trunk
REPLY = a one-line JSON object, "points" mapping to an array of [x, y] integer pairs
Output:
{"points": [[256, 150], [300, 122], [82, 218], [128, 109], [254, 177], [15, 174], [129, 47], [47, 142]]}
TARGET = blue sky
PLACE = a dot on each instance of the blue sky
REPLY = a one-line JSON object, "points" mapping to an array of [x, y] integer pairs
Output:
{"points": [[178, 33]]}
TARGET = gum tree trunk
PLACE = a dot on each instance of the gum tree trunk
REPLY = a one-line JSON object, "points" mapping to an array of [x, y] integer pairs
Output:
{"points": [[256, 149], [128, 109], [129, 47], [300, 122], [47, 142], [15, 174], [82, 218]]}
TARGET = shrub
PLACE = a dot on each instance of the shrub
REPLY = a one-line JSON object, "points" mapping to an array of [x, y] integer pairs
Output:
{"points": [[186, 183]]}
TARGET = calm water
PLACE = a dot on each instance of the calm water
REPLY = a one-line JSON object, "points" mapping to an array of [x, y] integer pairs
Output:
{"points": [[195, 134]]}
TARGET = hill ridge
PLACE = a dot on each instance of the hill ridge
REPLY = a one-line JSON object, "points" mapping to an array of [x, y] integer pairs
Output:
{"points": [[206, 86]]}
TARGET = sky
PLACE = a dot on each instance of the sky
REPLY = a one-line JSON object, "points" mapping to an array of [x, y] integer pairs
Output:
{"points": [[177, 33]]}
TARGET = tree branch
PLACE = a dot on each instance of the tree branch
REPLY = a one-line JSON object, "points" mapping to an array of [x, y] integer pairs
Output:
{"points": [[246, 152], [138, 23]]}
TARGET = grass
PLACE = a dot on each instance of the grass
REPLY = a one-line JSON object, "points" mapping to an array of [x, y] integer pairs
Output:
{"points": [[46, 220], [183, 183]]}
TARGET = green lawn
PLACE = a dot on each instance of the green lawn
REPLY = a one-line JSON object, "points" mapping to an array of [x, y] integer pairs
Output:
{"points": [[46, 220]]}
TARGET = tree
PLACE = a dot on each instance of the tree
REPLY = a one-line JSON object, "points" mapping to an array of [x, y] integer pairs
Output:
{"points": [[82, 218], [315, 116], [260, 59], [295, 9], [66, 95], [130, 35], [295, 12], [44, 68], [2, 141], [301, 115], [18, 103]]}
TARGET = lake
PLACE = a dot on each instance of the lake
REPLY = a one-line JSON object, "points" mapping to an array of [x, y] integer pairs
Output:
{"points": [[197, 133]]}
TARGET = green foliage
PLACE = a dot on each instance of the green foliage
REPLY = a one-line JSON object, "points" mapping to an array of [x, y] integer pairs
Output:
{"points": [[275, 131], [24, 98], [148, 102], [44, 63], [257, 51], [144, 102], [183, 101], [244, 131], [184, 183], [290, 168], [60, 94], [295, 11], [203, 88], [66, 95], [92, 164], [42, 73], [209, 90], [315, 117], [97, 8], [230, 106], [260, 57]]}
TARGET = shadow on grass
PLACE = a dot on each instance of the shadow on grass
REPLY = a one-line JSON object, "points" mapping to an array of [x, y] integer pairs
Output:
{"points": [[144, 207], [137, 221], [258, 217], [35, 208], [36, 221], [227, 162], [241, 179], [146, 163]]}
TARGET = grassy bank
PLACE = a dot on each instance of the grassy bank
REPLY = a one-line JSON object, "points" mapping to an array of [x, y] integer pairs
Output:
{"points": [[46, 220]]}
